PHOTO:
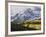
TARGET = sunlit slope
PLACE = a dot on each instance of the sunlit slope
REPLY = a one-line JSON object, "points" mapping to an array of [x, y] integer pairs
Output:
{"points": [[35, 24]]}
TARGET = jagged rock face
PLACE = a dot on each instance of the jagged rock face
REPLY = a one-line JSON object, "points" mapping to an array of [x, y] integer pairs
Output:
{"points": [[27, 14]]}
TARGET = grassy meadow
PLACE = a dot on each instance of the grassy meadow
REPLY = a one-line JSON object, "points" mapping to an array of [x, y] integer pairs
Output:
{"points": [[26, 25]]}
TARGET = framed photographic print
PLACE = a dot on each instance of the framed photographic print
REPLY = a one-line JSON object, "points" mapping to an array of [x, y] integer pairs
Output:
{"points": [[25, 18]]}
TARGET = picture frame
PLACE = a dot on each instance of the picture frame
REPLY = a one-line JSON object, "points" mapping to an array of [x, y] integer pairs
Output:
{"points": [[14, 6]]}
